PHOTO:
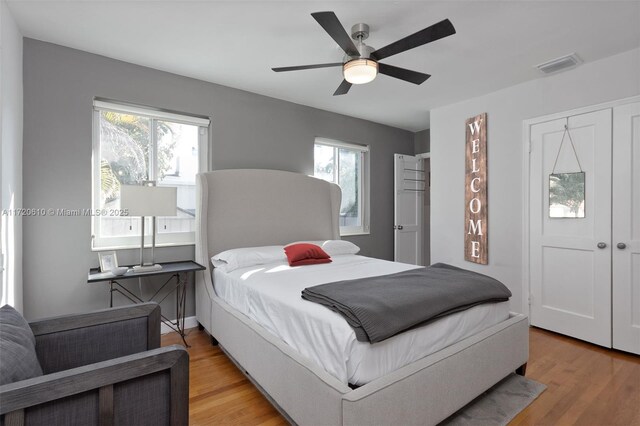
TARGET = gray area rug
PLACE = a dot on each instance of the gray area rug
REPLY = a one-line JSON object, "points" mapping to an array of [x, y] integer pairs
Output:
{"points": [[499, 405]]}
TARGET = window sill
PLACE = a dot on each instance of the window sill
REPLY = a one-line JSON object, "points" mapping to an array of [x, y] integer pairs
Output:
{"points": [[354, 233], [130, 247]]}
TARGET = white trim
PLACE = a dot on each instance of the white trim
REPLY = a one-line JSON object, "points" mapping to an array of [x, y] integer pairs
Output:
{"points": [[189, 322], [133, 242], [526, 291], [148, 112], [95, 167], [340, 144], [526, 172], [366, 195], [204, 156], [424, 155], [351, 231], [581, 110]]}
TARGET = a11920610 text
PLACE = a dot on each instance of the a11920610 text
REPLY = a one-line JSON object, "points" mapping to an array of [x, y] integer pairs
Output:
{"points": [[64, 212]]}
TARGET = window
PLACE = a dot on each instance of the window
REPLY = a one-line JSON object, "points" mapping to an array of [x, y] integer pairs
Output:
{"points": [[347, 165], [132, 145]]}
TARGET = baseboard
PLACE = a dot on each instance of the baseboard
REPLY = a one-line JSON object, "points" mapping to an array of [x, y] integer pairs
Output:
{"points": [[189, 322]]}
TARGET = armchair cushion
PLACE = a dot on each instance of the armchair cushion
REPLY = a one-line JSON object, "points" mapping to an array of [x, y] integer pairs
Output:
{"points": [[70, 341], [17, 348]]}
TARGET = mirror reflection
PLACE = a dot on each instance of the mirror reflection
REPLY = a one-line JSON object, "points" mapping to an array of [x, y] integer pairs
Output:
{"points": [[566, 195]]}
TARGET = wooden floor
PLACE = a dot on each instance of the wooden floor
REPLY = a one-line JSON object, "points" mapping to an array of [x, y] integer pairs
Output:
{"points": [[586, 385]]}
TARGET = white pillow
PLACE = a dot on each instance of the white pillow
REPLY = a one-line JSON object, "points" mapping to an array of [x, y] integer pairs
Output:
{"points": [[230, 260], [338, 247], [334, 247]]}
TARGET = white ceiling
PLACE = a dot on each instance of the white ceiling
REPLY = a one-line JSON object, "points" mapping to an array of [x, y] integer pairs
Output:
{"points": [[235, 43]]}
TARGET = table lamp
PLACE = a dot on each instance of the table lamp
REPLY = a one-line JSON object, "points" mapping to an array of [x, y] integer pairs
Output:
{"points": [[148, 200]]}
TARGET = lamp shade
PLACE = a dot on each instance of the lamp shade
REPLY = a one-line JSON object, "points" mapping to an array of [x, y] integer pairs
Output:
{"points": [[149, 200], [360, 71]]}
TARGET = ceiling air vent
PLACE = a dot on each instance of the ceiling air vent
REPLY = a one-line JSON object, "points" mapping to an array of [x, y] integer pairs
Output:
{"points": [[559, 64]]}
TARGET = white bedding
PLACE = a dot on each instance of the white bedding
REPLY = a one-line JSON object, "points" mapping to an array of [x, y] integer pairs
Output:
{"points": [[270, 295]]}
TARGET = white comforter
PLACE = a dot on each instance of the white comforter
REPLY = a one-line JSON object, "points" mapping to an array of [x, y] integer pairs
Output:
{"points": [[270, 295]]}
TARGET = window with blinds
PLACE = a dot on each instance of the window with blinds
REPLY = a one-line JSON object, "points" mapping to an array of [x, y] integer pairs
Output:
{"points": [[132, 144]]}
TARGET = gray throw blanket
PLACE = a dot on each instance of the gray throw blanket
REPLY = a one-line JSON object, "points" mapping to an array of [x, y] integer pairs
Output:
{"points": [[383, 306]]}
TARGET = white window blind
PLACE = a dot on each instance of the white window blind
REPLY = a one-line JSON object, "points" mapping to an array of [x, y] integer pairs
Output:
{"points": [[340, 144], [150, 112]]}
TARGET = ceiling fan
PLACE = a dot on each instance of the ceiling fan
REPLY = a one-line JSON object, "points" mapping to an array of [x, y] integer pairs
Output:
{"points": [[361, 63]]}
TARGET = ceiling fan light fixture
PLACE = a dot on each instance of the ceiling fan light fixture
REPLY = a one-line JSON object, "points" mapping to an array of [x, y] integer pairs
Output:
{"points": [[360, 71]]}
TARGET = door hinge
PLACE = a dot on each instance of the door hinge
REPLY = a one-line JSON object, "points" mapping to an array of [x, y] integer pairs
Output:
{"points": [[530, 298]]}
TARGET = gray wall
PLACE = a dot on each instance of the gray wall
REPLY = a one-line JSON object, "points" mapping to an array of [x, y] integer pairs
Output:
{"points": [[11, 157], [421, 142], [609, 79], [248, 131]]}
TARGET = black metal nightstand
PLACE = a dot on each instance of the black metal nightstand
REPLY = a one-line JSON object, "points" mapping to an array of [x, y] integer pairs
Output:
{"points": [[178, 270]]}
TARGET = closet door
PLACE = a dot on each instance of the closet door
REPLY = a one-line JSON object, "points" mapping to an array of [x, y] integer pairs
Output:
{"points": [[570, 258], [626, 228]]}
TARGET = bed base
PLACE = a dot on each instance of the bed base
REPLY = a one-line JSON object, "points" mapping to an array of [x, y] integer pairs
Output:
{"points": [[260, 388], [424, 392]]}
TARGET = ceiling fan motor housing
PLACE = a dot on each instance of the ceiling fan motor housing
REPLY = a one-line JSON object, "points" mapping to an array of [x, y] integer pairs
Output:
{"points": [[360, 32], [363, 50]]}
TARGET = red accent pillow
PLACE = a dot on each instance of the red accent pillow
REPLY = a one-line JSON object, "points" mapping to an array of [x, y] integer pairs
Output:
{"points": [[306, 254]]}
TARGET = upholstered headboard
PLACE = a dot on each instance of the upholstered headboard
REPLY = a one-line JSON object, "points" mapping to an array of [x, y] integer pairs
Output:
{"points": [[249, 208]]}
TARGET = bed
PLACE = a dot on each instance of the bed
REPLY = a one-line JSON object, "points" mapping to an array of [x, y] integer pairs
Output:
{"points": [[251, 208]]}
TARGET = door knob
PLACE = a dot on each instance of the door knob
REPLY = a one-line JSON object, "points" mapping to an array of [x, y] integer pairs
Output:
{"points": [[602, 245], [400, 227], [621, 246]]}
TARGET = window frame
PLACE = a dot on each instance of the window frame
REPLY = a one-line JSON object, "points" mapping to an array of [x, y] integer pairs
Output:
{"points": [[172, 239], [364, 192]]}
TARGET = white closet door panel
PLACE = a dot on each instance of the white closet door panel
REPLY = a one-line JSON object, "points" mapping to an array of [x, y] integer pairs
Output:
{"points": [[626, 228], [570, 276]]}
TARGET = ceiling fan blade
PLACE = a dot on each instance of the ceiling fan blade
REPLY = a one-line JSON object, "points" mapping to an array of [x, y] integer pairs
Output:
{"points": [[403, 73], [307, 67], [329, 21], [343, 88], [435, 32]]}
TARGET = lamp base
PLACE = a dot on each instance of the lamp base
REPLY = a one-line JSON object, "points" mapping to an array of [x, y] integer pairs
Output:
{"points": [[147, 268]]}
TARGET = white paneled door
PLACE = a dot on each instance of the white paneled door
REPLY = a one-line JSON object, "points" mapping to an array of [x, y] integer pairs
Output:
{"points": [[409, 188], [626, 228], [570, 258]]}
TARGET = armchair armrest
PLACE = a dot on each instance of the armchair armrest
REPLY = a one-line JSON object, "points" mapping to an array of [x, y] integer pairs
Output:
{"points": [[71, 341], [106, 382]]}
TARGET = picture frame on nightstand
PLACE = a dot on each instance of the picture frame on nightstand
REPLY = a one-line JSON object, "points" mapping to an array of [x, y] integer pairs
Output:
{"points": [[108, 260]]}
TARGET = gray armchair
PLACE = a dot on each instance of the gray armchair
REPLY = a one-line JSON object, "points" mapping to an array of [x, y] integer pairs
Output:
{"points": [[101, 368]]}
